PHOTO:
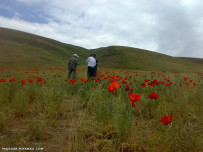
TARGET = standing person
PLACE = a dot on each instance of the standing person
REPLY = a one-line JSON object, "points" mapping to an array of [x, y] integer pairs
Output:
{"points": [[72, 66], [95, 68], [91, 63]]}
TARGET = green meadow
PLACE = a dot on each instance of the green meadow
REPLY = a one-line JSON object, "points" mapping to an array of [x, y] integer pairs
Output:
{"points": [[50, 111], [115, 112]]}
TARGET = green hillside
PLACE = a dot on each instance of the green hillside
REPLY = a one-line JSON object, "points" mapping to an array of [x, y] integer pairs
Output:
{"points": [[25, 50], [20, 49], [138, 59], [196, 60]]}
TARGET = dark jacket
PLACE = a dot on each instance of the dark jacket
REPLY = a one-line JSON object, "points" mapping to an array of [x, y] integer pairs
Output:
{"points": [[73, 62]]}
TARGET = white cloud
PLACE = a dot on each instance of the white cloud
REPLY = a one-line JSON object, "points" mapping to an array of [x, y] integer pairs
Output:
{"points": [[31, 2], [170, 27]]}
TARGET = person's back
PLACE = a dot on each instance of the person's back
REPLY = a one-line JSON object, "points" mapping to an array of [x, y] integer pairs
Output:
{"points": [[91, 62], [73, 62], [72, 65]]}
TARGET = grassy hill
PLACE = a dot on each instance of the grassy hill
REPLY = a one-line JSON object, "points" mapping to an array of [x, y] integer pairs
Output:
{"points": [[138, 59], [20, 49], [25, 50], [196, 60]]}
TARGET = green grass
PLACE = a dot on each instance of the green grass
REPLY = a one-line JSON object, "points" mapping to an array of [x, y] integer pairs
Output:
{"points": [[59, 116]]}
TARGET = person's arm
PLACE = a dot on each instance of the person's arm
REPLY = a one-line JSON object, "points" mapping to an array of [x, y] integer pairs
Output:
{"points": [[77, 62], [68, 64], [87, 60]]}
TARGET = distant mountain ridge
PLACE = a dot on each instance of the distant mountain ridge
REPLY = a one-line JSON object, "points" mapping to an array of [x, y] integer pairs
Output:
{"points": [[195, 60], [21, 49]]}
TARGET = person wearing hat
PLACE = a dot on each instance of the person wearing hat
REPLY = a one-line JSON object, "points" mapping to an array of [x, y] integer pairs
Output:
{"points": [[72, 66]]}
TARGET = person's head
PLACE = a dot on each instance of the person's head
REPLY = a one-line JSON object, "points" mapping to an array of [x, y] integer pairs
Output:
{"points": [[75, 55], [94, 55]]}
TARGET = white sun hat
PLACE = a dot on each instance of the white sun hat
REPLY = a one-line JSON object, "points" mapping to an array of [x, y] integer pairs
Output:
{"points": [[75, 55]]}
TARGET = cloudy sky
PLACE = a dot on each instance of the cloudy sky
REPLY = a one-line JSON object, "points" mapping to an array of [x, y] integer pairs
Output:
{"points": [[172, 27]]}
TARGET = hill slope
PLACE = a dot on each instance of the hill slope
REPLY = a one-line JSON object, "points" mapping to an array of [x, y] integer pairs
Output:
{"points": [[24, 49], [20, 49], [195, 60], [138, 59]]}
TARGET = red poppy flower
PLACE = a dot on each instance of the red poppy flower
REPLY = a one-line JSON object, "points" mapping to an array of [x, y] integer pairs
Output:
{"points": [[30, 80], [153, 96], [72, 81], [23, 81], [151, 84], [133, 104], [123, 82], [167, 84], [116, 84], [111, 88], [134, 97], [166, 120], [12, 79], [185, 78]]}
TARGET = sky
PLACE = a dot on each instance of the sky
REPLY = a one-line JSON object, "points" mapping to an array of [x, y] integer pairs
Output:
{"points": [[172, 27]]}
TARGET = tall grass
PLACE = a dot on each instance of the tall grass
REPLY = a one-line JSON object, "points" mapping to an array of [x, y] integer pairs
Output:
{"points": [[98, 120]]}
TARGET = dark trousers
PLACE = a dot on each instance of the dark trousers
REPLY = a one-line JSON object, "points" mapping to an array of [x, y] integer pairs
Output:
{"points": [[72, 71], [90, 72]]}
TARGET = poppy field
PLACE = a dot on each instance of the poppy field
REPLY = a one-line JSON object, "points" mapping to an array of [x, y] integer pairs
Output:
{"points": [[119, 110]]}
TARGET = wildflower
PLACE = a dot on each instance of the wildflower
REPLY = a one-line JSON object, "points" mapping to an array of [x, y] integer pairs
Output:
{"points": [[127, 86], [23, 81], [113, 86], [12, 79], [167, 84], [194, 84], [97, 80], [185, 78], [166, 120], [72, 81], [30, 80], [151, 84], [123, 82], [143, 85], [153, 96], [116, 84], [134, 97], [82, 79]]}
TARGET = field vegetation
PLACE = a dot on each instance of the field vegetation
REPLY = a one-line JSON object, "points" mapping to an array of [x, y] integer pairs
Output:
{"points": [[120, 110]]}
